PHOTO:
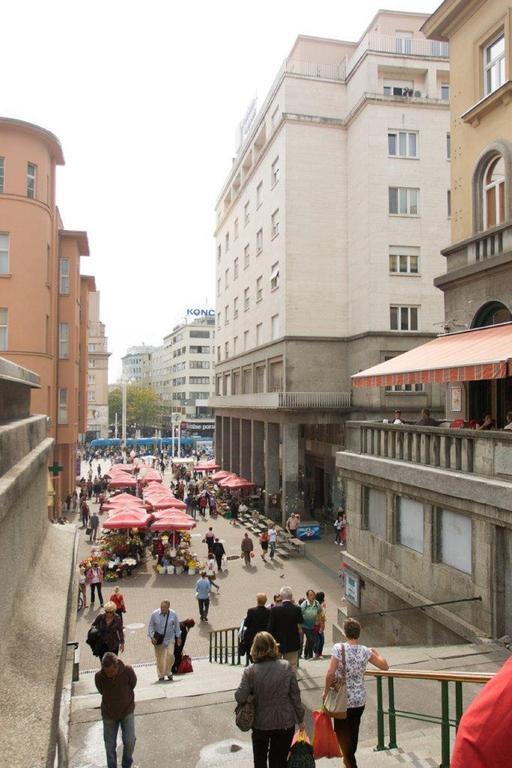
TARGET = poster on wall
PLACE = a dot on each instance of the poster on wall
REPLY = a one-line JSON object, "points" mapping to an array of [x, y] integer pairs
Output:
{"points": [[353, 588], [456, 399]]}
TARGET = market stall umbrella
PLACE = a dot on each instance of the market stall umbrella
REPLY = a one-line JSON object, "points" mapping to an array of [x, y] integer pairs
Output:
{"points": [[173, 523], [128, 518], [206, 467], [122, 498], [123, 482], [235, 483], [222, 475], [151, 476], [165, 503]]}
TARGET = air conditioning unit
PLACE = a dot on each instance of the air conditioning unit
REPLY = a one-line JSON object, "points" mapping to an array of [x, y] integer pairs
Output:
{"points": [[418, 93]]}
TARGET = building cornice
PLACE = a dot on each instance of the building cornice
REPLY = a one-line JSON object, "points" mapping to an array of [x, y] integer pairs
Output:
{"points": [[450, 15], [51, 141], [80, 236]]}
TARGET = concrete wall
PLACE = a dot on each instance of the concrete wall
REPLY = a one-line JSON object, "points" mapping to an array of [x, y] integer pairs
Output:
{"points": [[37, 567]]}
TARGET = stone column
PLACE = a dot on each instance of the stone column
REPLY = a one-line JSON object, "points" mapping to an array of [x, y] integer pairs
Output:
{"points": [[218, 439], [290, 501], [235, 445], [272, 483], [226, 443], [245, 448], [257, 474]]}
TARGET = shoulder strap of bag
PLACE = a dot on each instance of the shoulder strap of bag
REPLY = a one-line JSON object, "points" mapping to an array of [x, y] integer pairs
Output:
{"points": [[343, 666], [166, 620]]}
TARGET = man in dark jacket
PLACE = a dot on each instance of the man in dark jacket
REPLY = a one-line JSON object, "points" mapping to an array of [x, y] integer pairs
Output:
{"points": [[285, 624], [116, 683], [255, 621], [218, 552]]}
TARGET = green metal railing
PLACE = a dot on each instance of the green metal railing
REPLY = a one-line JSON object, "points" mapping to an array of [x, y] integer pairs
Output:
{"points": [[444, 720], [225, 647]]}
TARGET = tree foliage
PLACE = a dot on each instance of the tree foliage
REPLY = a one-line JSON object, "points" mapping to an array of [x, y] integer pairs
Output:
{"points": [[143, 406]]}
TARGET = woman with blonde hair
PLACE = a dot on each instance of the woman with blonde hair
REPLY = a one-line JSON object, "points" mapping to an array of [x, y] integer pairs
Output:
{"points": [[278, 705], [110, 631]]}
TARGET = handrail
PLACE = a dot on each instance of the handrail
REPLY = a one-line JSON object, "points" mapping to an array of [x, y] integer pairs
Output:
{"points": [[427, 674], [444, 720], [224, 647], [422, 606]]}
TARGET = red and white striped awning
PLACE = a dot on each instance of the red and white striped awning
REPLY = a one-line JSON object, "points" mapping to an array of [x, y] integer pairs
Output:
{"points": [[481, 353]]}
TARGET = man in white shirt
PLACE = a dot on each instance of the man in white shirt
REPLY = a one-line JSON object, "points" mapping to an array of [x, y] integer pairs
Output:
{"points": [[272, 541], [163, 629]]}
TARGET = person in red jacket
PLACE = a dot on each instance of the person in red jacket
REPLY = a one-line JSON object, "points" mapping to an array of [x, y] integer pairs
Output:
{"points": [[117, 598], [483, 736]]}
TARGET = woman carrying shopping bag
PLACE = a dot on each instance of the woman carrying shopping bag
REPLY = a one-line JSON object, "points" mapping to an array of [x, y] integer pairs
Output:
{"points": [[348, 664]]}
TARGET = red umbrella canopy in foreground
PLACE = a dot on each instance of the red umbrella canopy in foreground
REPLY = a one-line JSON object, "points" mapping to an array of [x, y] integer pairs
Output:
{"points": [[173, 523], [123, 482], [222, 475]]}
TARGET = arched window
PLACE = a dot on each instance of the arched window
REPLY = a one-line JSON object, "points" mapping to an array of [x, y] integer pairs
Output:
{"points": [[494, 193], [492, 313]]}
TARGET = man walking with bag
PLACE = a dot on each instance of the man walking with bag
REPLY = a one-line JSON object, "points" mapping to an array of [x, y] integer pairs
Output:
{"points": [[163, 630], [116, 683]]}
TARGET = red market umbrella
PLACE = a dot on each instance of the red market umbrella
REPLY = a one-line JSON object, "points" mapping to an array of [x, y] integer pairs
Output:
{"points": [[222, 475], [151, 476], [167, 503], [127, 518], [235, 483], [123, 482], [173, 523]]}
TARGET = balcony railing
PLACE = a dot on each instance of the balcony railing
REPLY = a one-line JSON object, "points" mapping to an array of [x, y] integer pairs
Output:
{"points": [[462, 450], [283, 400], [398, 46]]}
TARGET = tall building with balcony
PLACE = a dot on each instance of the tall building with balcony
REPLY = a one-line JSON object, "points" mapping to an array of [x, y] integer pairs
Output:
{"points": [[189, 354], [97, 372], [329, 227], [430, 507], [43, 296]]}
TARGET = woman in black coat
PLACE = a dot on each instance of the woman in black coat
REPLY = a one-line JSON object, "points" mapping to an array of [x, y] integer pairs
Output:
{"points": [[178, 649]]}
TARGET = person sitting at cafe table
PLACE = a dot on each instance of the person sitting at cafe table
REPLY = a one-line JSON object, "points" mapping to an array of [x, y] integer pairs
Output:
{"points": [[426, 420], [508, 418], [487, 423]]}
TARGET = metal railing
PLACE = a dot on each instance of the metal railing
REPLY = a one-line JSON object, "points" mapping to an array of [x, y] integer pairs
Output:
{"points": [[421, 607], [398, 46], [444, 720], [284, 400], [225, 647]]}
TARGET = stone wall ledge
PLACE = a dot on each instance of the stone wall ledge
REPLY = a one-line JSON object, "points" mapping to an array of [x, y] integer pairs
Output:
{"points": [[15, 480], [18, 438]]}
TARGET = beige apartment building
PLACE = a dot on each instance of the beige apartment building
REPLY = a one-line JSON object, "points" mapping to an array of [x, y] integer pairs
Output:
{"points": [[43, 296], [430, 507], [97, 372], [136, 365], [329, 230]]}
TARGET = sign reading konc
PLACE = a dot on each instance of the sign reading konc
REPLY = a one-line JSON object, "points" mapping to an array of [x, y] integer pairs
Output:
{"points": [[196, 312]]}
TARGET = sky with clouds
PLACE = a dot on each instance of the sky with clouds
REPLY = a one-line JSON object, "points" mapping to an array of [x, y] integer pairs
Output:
{"points": [[145, 99]]}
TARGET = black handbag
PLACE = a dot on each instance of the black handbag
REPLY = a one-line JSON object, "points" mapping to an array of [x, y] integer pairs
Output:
{"points": [[158, 637]]}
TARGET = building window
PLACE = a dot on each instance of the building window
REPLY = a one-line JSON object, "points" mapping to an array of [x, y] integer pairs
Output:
{"points": [[235, 350], [247, 256], [260, 379], [246, 341], [235, 307], [403, 201], [398, 88], [274, 276], [91, 379], [2, 174], [494, 64], [197, 350], [219, 252], [259, 194], [454, 539], [226, 278], [64, 276], [403, 143], [448, 146], [246, 299], [403, 318], [259, 241], [4, 323], [449, 203], [91, 396], [195, 364], [275, 223], [199, 334], [374, 512], [63, 406], [4, 253], [219, 320], [274, 172], [275, 117], [226, 314], [274, 326], [218, 286], [226, 349], [235, 230], [259, 288], [404, 260], [246, 214], [445, 92], [259, 333], [31, 180], [276, 376], [91, 363], [64, 341], [403, 42], [235, 268], [226, 247], [494, 193], [218, 354], [409, 523]]}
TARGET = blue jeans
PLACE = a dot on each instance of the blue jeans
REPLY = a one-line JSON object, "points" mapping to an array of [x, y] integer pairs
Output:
{"points": [[110, 730]]}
